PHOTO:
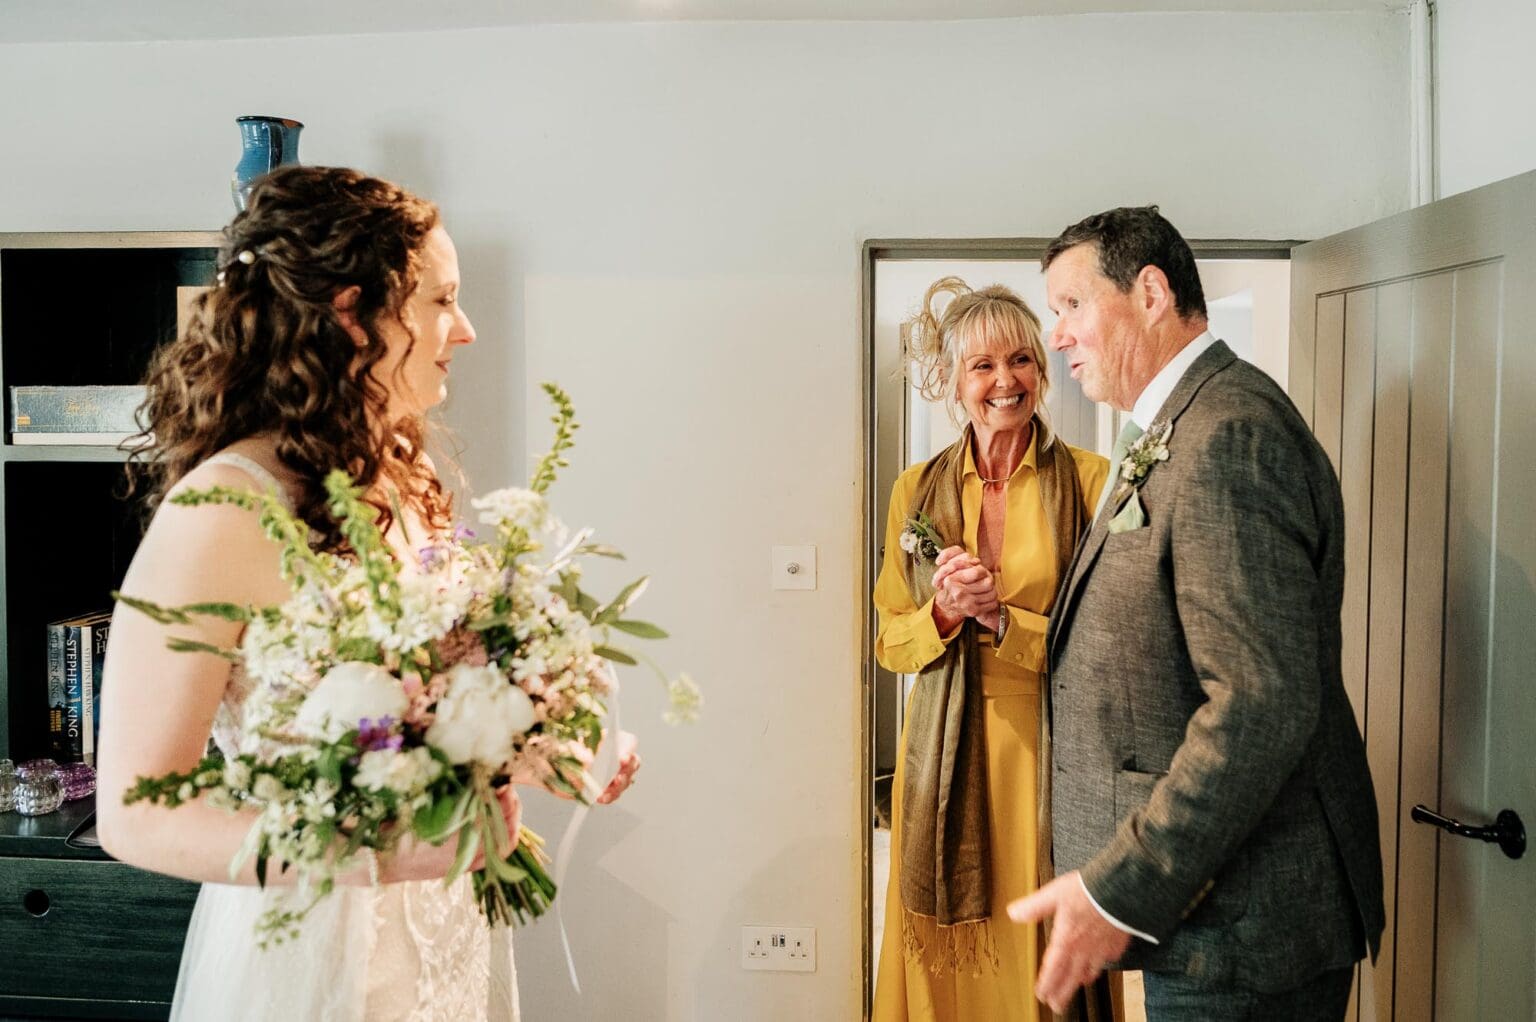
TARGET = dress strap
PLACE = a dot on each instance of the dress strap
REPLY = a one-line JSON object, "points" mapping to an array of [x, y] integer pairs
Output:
{"points": [[263, 478]]}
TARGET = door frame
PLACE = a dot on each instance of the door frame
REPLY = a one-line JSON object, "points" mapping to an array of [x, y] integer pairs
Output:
{"points": [[971, 249]]}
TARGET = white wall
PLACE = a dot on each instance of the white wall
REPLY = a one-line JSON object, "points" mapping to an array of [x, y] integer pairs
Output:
{"points": [[1257, 324], [667, 219], [1486, 91]]}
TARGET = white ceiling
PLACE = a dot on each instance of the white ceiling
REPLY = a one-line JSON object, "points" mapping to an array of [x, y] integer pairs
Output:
{"points": [[29, 21]]}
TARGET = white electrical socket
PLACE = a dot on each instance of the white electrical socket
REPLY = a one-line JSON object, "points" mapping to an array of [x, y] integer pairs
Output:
{"points": [[778, 948]]}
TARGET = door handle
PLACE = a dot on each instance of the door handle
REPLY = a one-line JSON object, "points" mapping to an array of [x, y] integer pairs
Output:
{"points": [[1508, 832]]}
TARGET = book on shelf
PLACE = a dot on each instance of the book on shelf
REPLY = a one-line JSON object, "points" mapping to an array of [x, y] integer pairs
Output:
{"points": [[90, 706], [58, 742], [76, 653], [74, 415]]}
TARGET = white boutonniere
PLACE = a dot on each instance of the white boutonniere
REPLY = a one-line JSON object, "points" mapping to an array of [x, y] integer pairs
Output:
{"points": [[920, 538], [1149, 449]]}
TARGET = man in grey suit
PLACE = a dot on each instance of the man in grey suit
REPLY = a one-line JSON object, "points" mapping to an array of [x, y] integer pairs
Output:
{"points": [[1214, 822]]}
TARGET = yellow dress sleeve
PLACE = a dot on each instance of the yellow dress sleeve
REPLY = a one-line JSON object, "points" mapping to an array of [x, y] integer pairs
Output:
{"points": [[907, 640], [1024, 638]]}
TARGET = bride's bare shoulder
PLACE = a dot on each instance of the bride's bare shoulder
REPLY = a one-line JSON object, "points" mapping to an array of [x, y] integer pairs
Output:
{"points": [[207, 549]]}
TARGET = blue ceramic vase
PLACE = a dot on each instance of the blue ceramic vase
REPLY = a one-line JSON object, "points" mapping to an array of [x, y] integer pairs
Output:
{"points": [[266, 143]]}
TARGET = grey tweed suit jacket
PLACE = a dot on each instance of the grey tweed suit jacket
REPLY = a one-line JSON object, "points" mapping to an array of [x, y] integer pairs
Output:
{"points": [[1210, 781]]}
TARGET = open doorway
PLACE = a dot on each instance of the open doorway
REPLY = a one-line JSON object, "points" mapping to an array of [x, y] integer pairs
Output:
{"points": [[1247, 287]]}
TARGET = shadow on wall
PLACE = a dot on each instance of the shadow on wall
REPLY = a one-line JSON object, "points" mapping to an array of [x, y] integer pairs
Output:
{"points": [[485, 412], [486, 409], [406, 158], [785, 995], [632, 985]]}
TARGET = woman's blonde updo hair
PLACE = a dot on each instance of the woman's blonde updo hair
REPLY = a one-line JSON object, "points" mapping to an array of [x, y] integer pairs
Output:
{"points": [[935, 344], [264, 351]]}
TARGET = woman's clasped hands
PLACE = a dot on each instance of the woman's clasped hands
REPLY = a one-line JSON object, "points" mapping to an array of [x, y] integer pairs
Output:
{"points": [[962, 588]]}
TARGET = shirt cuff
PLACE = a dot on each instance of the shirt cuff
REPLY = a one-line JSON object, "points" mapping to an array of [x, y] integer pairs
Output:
{"points": [[912, 641], [1117, 924], [1024, 639]]}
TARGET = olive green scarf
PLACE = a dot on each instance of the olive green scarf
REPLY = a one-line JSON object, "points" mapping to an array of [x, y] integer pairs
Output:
{"points": [[946, 876]]}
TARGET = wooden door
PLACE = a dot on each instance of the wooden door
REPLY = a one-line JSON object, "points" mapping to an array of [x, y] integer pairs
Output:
{"points": [[1414, 358]]}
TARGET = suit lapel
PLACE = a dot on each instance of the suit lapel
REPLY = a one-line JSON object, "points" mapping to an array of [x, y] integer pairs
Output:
{"points": [[1215, 358], [1060, 602]]}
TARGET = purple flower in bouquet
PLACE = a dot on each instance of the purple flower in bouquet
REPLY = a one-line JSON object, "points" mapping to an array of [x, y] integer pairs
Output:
{"points": [[431, 558], [374, 735]]}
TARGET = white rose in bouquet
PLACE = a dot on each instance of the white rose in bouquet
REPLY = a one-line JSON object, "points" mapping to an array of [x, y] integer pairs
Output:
{"points": [[405, 773], [350, 692], [478, 717]]}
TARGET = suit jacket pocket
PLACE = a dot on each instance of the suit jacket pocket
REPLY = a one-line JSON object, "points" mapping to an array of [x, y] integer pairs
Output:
{"points": [[1132, 790], [1129, 518], [1127, 541]]}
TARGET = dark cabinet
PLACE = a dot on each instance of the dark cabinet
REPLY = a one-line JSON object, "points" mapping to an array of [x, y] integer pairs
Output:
{"points": [[81, 935]]}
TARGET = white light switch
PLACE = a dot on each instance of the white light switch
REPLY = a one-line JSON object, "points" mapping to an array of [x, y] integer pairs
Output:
{"points": [[794, 567]]}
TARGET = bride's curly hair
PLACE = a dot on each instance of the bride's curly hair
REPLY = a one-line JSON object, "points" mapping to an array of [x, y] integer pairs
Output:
{"points": [[264, 351]]}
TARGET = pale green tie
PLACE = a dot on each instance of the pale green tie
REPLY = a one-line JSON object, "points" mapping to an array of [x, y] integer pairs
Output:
{"points": [[1129, 434]]}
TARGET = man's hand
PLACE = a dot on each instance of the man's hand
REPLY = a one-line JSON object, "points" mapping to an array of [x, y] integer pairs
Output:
{"points": [[1083, 942]]}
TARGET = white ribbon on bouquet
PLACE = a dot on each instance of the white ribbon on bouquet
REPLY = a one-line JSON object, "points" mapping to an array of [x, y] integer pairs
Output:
{"points": [[605, 767]]}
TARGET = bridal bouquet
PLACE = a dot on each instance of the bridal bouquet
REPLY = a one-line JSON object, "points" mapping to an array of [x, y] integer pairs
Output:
{"points": [[390, 699]]}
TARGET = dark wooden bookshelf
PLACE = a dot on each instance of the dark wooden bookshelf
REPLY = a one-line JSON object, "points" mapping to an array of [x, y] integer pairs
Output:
{"points": [[81, 935]]}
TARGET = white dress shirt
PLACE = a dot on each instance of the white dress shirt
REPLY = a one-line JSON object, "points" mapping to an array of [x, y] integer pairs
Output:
{"points": [[1144, 411]]}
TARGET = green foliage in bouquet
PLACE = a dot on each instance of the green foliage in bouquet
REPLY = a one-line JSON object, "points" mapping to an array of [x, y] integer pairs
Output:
{"points": [[483, 621]]}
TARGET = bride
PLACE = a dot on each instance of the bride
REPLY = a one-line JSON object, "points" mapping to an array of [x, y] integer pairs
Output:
{"points": [[324, 344]]}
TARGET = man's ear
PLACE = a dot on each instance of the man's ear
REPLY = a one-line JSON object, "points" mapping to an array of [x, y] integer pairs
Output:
{"points": [[345, 304], [1154, 293]]}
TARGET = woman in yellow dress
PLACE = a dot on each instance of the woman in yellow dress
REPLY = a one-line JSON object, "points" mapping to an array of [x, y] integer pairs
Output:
{"points": [[976, 542]]}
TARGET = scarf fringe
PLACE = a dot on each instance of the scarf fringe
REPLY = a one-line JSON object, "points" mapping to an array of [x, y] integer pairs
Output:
{"points": [[962, 947]]}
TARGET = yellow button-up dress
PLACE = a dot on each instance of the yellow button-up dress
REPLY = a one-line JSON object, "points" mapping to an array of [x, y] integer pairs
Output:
{"points": [[907, 642]]}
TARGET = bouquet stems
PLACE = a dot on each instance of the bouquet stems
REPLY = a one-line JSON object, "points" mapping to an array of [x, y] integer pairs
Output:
{"points": [[517, 889]]}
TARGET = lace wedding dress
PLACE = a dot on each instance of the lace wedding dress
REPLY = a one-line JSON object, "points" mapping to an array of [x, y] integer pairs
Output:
{"points": [[406, 952]]}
